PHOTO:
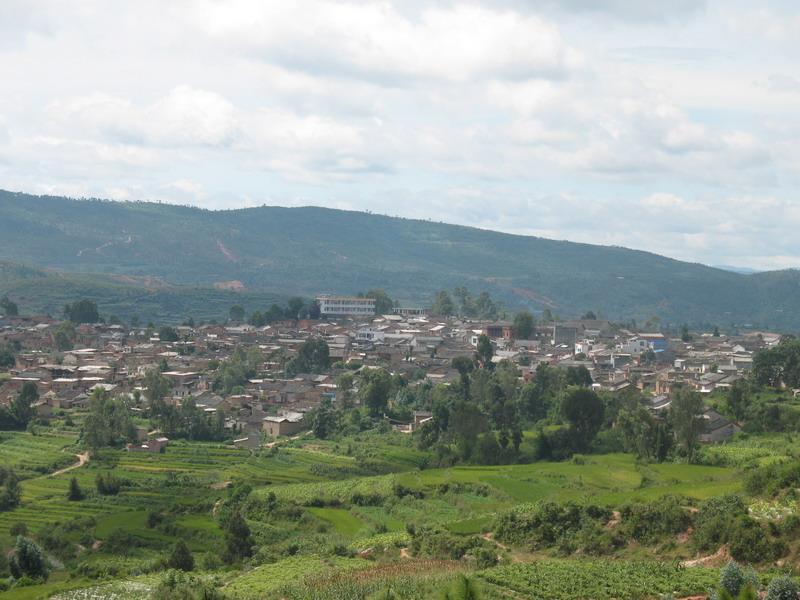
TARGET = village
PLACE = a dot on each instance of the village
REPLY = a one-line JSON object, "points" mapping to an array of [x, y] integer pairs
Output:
{"points": [[408, 341]]}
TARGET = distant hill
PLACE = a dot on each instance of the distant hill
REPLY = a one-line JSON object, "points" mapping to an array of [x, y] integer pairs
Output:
{"points": [[168, 251]]}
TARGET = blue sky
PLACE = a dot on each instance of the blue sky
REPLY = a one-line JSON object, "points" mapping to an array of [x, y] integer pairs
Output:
{"points": [[670, 127]]}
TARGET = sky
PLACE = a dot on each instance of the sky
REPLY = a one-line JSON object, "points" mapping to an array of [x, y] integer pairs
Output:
{"points": [[670, 127]]}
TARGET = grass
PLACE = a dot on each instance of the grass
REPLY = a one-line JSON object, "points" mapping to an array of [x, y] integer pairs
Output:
{"points": [[342, 520]]}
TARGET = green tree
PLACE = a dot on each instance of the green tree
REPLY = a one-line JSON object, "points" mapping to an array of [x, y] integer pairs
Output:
{"points": [[443, 304], [294, 308], [10, 493], [75, 493], [782, 587], [325, 420], [8, 308], [584, 411], [181, 557], [82, 311], [274, 313], [685, 416], [236, 313], [523, 325], [485, 351], [238, 542], [28, 559], [383, 303], [168, 334], [7, 359], [589, 316], [375, 387], [21, 408], [738, 399], [64, 336]]}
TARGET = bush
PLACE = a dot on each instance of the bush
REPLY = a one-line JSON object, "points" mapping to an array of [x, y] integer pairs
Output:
{"points": [[782, 588], [108, 485], [437, 542], [28, 560], [749, 541], [715, 519], [181, 557], [75, 493], [733, 579], [18, 528], [647, 522], [121, 542]]}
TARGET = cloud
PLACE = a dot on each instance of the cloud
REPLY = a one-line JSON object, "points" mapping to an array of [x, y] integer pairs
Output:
{"points": [[376, 41]]}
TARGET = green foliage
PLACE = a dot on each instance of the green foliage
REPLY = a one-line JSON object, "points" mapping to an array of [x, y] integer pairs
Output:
{"points": [[312, 357], [28, 560], [177, 585], [584, 411], [10, 492], [599, 579], [375, 387], [684, 416], [782, 588], [238, 542], [8, 308], [523, 325], [648, 522], [549, 524], [168, 334], [108, 422], [82, 311], [778, 365], [181, 557], [436, 542], [75, 493], [107, 484], [383, 303]]}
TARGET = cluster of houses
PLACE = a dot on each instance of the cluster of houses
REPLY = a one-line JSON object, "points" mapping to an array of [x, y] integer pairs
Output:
{"points": [[410, 341]]}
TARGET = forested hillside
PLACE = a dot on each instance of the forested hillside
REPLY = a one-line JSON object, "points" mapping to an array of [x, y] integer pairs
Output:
{"points": [[305, 251]]}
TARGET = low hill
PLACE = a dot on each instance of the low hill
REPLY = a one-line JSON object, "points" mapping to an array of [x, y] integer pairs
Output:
{"points": [[305, 251]]}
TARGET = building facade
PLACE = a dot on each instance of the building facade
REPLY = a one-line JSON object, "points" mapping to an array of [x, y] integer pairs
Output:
{"points": [[346, 306]]}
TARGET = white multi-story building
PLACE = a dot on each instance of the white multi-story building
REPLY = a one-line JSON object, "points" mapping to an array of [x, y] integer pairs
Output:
{"points": [[346, 306]]}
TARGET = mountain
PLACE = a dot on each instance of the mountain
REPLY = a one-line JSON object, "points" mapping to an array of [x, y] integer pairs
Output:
{"points": [[160, 248]]}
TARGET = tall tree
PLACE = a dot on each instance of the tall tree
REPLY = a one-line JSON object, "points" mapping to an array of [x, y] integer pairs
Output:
{"points": [[685, 416], [374, 389], [383, 303], [584, 411], [8, 308], [236, 313], [485, 351], [443, 304], [82, 311], [22, 406], [181, 557], [523, 325], [238, 542]]}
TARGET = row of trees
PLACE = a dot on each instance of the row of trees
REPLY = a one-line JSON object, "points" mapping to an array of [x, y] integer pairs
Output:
{"points": [[465, 304]]}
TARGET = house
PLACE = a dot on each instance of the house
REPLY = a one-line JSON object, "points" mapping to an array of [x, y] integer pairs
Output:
{"points": [[153, 445], [346, 306], [716, 428], [287, 423]]}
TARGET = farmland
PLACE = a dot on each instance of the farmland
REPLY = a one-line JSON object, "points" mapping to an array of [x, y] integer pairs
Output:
{"points": [[328, 526]]}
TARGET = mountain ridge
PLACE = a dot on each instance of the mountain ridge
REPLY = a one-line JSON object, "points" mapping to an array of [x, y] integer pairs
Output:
{"points": [[307, 250]]}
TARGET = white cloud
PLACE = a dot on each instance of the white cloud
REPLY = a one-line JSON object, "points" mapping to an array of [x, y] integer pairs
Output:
{"points": [[670, 127]]}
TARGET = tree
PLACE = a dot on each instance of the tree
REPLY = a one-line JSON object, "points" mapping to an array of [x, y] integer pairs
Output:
{"points": [[589, 316], [8, 308], [293, 308], [782, 587], [11, 493], [181, 557], [257, 319], [28, 560], [374, 390], [443, 304], [274, 313], [7, 359], [238, 543], [75, 492], [383, 303], [485, 351], [168, 334], [21, 408], [523, 325], [325, 420], [684, 415], [82, 311], [578, 376], [344, 389], [738, 399], [584, 411], [236, 313], [64, 337], [685, 335]]}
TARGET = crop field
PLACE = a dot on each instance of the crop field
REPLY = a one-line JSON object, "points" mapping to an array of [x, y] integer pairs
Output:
{"points": [[608, 479], [34, 455], [554, 579], [746, 451]]}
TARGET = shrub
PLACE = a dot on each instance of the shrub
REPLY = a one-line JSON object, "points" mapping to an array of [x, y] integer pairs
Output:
{"points": [[733, 579], [75, 493], [782, 588], [18, 528], [648, 522], [28, 560], [108, 485], [181, 557]]}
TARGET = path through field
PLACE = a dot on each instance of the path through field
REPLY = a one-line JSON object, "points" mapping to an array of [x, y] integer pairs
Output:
{"points": [[82, 460]]}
